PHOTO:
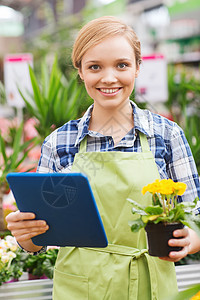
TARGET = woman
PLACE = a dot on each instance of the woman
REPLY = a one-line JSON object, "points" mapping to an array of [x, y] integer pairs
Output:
{"points": [[121, 148]]}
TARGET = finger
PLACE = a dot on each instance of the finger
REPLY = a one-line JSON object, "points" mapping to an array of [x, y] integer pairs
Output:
{"points": [[26, 224], [27, 236], [19, 216], [181, 232], [177, 255], [24, 234], [21, 231], [179, 242]]}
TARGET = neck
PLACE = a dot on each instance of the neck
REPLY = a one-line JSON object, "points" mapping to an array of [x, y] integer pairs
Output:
{"points": [[115, 122]]}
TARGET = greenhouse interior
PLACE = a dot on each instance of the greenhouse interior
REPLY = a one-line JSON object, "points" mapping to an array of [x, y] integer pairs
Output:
{"points": [[41, 90]]}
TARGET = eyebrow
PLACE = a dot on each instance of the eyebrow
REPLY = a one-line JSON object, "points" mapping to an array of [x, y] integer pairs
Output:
{"points": [[98, 61]]}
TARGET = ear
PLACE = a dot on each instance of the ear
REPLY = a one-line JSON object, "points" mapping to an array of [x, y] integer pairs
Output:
{"points": [[80, 73], [137, 71]]}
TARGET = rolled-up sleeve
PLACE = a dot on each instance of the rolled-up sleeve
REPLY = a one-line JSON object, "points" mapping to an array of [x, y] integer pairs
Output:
{"points": [[181, 166]]}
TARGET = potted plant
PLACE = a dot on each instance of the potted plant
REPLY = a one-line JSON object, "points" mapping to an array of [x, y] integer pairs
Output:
{"points": [[41, 265], [11, 260], [164, 215]]}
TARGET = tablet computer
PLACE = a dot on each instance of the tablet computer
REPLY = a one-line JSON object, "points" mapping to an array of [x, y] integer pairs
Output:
{"points": [[67, 204]]}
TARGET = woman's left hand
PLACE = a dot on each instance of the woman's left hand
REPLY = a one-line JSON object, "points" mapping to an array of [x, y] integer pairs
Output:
{"points": [[184, 242]]}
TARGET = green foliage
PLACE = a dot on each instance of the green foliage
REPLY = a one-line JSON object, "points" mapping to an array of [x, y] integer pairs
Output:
{"points": [[181, 212], [55, 38], [14, 268], [10, 162], [17, 264], [187, 294], [54, 100], [2, 94], [4, 275], [184, 105], [41, 264]]}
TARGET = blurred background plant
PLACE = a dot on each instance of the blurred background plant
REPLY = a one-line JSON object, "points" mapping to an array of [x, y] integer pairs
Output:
{"points": [[14, 262], [11, 266], [42, 264], [184, 105], [55, 100], [11, 159], [2, 93]]}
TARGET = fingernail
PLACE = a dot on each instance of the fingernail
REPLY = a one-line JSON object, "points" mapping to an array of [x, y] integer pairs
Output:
{"points": [[172, 254]]}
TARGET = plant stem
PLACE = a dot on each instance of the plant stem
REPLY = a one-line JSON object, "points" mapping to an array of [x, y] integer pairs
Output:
{"points": [[163, 203]]}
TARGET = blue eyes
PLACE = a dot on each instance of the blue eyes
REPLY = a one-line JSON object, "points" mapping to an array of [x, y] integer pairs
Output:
{"points": [[119, 66], [94, 67], [122, 66]]}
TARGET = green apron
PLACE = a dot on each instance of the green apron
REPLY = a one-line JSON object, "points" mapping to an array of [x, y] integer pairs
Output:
{"points": [[123, 270]]}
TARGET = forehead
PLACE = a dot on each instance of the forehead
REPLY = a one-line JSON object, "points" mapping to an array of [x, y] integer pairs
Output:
{"points": [[115, 47]]}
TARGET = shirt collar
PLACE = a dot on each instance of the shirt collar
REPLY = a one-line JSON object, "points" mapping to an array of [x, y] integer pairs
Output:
{"points": [[143, 122]]}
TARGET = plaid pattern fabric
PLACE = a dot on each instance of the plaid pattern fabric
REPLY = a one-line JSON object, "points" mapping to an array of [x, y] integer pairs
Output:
{"points": [[166, 139]]}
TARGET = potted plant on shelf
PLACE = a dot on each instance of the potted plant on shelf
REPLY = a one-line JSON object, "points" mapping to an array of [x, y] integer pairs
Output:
{"points": [[42, 265], [164, 215], [11, 260]]}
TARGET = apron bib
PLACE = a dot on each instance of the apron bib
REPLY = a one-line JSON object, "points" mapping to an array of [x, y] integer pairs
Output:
{"points": [[123, 270]]}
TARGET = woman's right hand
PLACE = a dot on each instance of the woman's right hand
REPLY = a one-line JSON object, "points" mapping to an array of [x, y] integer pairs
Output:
{"points": [[23, 227]]}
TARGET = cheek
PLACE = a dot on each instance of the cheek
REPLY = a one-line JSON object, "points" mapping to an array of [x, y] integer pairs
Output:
{"points": [[89, 79], [128, 80]]}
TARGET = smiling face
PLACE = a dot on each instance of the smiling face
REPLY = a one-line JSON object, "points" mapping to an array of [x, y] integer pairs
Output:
{"points": [[109, 71]]}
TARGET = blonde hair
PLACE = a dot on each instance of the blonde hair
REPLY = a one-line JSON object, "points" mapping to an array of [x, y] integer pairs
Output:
{"points": [[99, 29]]}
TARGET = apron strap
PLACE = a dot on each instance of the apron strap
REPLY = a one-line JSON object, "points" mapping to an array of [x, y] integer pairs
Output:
{"points": [[134, 275], [83, 145], [135, 254], [144, 143]]}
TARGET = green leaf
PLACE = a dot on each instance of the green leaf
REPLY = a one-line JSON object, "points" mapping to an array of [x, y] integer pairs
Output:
{"points": [[136, 225], [150, 218], [138, 211], [135, 204], [3, 149], [36, 90], [45, 78], [191, 223], [154, 210], [187, 294]]}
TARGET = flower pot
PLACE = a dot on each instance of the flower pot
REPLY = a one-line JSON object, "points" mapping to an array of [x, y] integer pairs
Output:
{"points": [[158, 236], [33, 277], [12, 280]]}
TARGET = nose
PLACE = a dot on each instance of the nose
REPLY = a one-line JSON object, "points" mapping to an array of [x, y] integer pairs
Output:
{"points": [[108, 76]]}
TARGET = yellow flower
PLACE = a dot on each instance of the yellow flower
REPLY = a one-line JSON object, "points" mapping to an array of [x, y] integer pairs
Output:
{"points": [[166, 187], [152, 187], [179, 188], [196, 297]]}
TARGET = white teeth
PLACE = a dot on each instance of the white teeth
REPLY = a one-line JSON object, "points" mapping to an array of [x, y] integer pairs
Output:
{"points": [[109, 91]]}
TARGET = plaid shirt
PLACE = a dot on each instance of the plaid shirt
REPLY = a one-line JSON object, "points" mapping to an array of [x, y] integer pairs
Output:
{"points": [[166, 139]]}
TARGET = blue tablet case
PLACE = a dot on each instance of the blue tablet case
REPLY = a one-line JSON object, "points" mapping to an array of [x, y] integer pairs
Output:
{"points": [[66, 202]]}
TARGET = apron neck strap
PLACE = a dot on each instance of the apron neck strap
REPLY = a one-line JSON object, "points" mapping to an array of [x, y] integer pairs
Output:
{"points": [[83, 145], [144, 143]]}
